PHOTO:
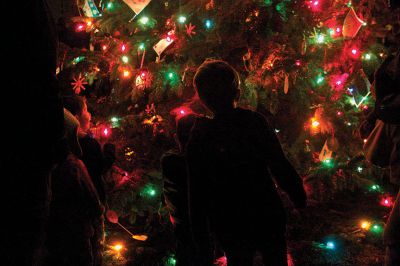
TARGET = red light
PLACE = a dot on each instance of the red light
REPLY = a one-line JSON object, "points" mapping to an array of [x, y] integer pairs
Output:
{"points": [[354, 51], [386, 201], [338, 30], [106, 132], [169, 39], [123, 48], [298, 63], [339, 113], [80, 27], [104, 47]]}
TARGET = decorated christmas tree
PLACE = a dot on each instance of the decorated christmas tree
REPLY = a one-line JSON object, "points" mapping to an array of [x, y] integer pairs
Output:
{"points": [[306, 65]]}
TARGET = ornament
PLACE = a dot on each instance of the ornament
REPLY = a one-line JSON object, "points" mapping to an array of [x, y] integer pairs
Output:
{"points": [[352, 24], [210, 5], [90, 9], [78, 84], [160, 47], [190, 29], [143, 80], [112, 217], [325, 153], [137, 5], [286, 84]]}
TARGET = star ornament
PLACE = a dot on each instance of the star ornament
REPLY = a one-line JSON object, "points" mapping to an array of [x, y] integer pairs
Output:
{"points": [[78, 84], [190, 29]]}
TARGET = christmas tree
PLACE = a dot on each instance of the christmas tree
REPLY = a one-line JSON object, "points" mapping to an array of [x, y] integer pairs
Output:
{"points": [[305, 65]]}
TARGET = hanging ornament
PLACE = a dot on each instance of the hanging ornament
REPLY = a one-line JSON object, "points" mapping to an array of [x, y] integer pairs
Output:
{"points": [[286, 84], [143, 80], [78, 84], [160, 47], [352, 24], [137, 5], [90, 9], [112, 217], [190, 30], [325, 153]]}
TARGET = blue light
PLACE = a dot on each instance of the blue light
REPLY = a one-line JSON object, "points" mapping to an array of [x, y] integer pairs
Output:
{"points": [[330, 245]]}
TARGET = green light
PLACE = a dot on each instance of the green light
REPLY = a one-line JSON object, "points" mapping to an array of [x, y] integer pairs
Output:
{"points": [[125, 59], [320, 79], [171, 261], [367, 56], [114, 119], [144, 20], [279, 6], [170, 75], [374, 187], [182, 19], [376, 228], [110, 5], [268, 2], [331, 32], [141, 46], [328, 162], [320, 38], [349, 4], [330, 245], [149, 191]]}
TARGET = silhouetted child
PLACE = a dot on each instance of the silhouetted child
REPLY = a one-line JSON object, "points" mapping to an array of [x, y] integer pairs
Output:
{"points": [[96, 160], [231, 161], [74, 207], [173, 166]]}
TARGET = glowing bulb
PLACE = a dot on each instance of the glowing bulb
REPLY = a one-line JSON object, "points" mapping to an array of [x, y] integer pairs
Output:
{"points": [[367, 56], [89, 23], [109, 5], [141, 46], [330, 245], [314, 123], [169, 39], [80, 27], [118, 247], [365, 225], [104, 47], [320, 38], [359, 169], [144, 20], [208, 23], [126, 73], [354, 51], [114, 119], [125, 59], [182, 19], [123, 48]]}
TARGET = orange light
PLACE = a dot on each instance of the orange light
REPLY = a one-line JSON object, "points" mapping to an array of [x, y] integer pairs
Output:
{"points": [[314, 123], [118, 247], [365, 225], [126, 73]]}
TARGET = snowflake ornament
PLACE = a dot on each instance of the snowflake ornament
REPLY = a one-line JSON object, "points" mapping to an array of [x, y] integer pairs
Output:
{"points": [[78, 84], [190, 29]]}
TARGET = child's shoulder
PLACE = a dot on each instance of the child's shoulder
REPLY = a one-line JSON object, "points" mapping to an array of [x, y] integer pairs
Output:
{"points": [[250, 115]]}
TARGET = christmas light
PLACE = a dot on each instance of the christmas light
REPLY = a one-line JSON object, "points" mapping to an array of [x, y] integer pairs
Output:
{"points": [[181, 19], [359, 169], [386, 201], [376, 228], [123, 48], [110, 5], [367, 56], [117, 247], [171, 261], [314, 123], [365, 225], [208, 24], [330, 245], [328, 162], [126, 73], [125, 59], [80, 27], [375, 187], [141, 46], [320, 38], [144, 20], [106, 132], [104, 47]]}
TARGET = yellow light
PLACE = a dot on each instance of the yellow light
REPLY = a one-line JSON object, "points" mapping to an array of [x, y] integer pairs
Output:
{"points": [[365, 225], [89, 23], [314, 123], [126, 73], [117, 247]]}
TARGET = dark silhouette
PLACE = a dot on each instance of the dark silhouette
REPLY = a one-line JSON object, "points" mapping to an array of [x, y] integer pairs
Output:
{"points": [[231, 161], [33, 140], [74, 208], [97, 161], [173, 166]]}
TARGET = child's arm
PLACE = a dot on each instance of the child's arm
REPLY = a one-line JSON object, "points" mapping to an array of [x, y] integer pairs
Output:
{"points": [[285, 175]]}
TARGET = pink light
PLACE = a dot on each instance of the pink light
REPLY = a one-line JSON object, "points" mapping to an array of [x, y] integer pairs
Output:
{"points": [[106, 132], [80, 27], [354, 51], [338, 30], [316, 3], [123, 48], [386, 202], [169, 39], [298, 63], [339, 113]]}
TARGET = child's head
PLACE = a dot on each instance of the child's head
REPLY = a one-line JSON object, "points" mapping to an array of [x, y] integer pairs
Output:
{"points": [[78, 107], [217, 84], [183, 128]]}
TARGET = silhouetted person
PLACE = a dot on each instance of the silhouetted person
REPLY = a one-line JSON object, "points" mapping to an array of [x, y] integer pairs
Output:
{"points": [[231, 161], [34, 131], [173, 166]]}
